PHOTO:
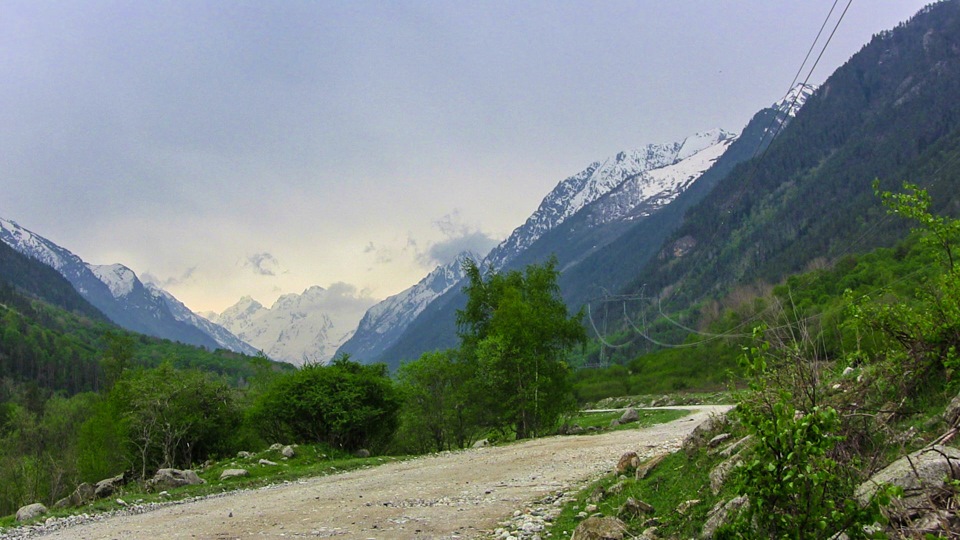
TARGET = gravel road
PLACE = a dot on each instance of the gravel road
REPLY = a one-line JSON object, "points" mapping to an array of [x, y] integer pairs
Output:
{"points": [[452, 495]]}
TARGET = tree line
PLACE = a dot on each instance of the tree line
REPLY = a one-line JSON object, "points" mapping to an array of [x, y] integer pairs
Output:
{"points": [[129, 404]]}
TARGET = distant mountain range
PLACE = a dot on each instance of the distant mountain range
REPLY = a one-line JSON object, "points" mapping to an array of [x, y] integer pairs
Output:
{"points": [[385, 322], [118, 293], [591, 212], [301, 329]]}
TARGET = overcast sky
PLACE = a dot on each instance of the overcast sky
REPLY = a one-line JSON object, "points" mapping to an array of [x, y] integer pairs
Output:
{"points": [[258, 148]]}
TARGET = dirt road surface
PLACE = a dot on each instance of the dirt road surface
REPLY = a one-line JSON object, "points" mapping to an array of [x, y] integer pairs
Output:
{"points": [[452, 495]]}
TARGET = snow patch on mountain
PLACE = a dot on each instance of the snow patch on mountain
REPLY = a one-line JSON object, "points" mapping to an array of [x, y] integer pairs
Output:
{"points": [[304, 328], [383, 323], [582, 189], [117, 277], [794, 100], [182, 313]]}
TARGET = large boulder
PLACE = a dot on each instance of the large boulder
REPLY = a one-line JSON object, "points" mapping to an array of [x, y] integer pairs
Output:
{"points": [[600, 528], [702, 434], [173, 478], [234, 473], [31, 511], [108, 486], [629, 415], [952, 413], [82, 495], [923, 476]]}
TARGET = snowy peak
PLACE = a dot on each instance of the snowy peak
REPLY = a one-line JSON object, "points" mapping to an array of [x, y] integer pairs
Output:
{"points": [[182, 313], [304, 328], [794, 99], [117, 277], [385, 322], [600, 178], [36, 246]]}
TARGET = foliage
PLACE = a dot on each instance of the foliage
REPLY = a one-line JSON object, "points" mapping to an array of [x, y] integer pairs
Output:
{"points": [[795, 486], [442, 408], [516, 328], [345, 404]]}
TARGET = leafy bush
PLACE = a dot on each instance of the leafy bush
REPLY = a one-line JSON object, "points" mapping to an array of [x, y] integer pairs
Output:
{"points": [[344, 404]]}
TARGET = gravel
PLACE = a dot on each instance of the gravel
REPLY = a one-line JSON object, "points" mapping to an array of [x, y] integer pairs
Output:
{"points": [[510, 491]]}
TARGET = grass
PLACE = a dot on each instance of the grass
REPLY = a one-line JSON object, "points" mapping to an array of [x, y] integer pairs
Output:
{"points": [[309, 461], [647, 418], [677, 479]]}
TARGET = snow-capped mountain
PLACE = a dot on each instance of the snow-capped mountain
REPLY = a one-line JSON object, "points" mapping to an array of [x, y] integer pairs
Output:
{"points": [[601, 177], [608, 220], [221, 335], [298, 328], [385, 322], [795, 99], [113, 289]]}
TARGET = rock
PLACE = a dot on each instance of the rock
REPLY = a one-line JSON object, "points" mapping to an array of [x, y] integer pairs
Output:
{"points": [[362, 453], [288, 451], [649, 465], [617, 488], [650, 533], [234, 473], [82, 495], [173, 478], [683, 507], [721, 513], [633, 508], [598, 495], [629, 415], [482, 443], [266, 462], [702, 433], [847, 371], [244, 454], [735, 447], [600, 528], [275, 447], [591, 508], [614, 423], [716, 441], [628, 462], [108, 486], [921, 475], [575, 429], [720, 473], [31, 511], [935, 524], [952, 414]]}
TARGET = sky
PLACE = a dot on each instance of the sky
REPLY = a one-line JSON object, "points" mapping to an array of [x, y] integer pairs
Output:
{"points": [[245, 148]]}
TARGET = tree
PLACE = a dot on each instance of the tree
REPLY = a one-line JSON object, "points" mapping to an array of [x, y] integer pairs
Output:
{"points": [[517, 329], [441, 406], [344, 404]]}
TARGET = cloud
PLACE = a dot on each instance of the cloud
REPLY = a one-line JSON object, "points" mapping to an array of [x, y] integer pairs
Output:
{"points": [[458, 237], [263, 264], [171, 281]]}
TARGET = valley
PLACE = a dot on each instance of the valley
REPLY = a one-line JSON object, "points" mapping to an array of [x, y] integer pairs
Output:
{"points": [[451, 495]]}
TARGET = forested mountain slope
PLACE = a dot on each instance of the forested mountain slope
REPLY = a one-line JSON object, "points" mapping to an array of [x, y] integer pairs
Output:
{"points": [[890, 113]]}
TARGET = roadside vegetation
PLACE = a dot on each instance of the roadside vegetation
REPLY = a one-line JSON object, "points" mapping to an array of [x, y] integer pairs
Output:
{"points": [[849, 368], [138, 406]]}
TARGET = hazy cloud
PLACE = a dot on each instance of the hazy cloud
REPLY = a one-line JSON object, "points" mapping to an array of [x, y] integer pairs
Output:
{"points": [[171, 281], [263, 264], [458, 237]]}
